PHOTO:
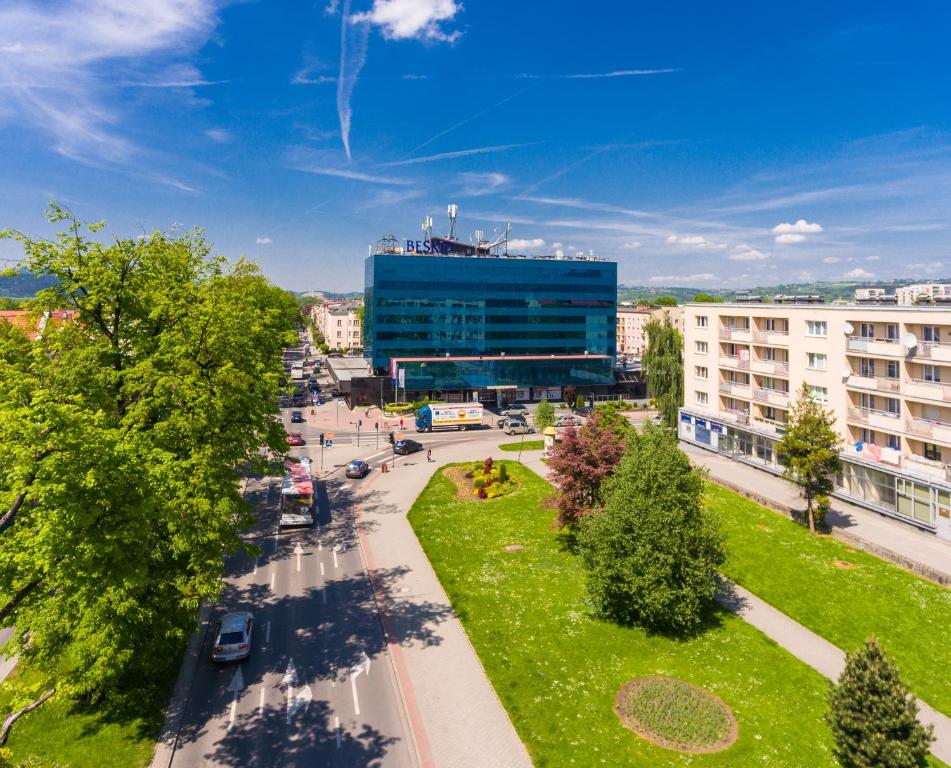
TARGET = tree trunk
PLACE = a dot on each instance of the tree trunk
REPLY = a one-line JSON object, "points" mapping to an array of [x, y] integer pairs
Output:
{"points": [[13, 717], [812, 517]]}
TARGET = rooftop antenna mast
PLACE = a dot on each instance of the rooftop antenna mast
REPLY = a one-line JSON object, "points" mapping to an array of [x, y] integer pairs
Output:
{"points": [[427, 227], [453, 212]]}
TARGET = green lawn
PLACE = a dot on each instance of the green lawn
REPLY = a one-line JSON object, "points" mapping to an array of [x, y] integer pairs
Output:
{"points": [[528, 445], [794, 571], [77, 737], [557, 670]]}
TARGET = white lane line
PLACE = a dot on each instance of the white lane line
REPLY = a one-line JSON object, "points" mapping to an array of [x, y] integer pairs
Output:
{"points": [[234, 707], [353, 689], [256, 566], [273, 574], [337, 729], [267, 633], [298, 551], [320, 546], [336, 565], [261, 702], [321, 568]]}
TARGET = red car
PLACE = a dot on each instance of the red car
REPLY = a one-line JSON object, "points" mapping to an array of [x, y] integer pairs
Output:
{"points": [[295, 438]]}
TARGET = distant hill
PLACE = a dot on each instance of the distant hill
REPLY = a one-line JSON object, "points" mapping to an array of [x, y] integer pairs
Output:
{"points": [[330, 295], [23, 286]]}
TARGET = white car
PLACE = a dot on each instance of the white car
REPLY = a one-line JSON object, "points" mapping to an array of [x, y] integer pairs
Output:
{"points": [[515, 410], [233, 637], [569, 421], [517, 426]]}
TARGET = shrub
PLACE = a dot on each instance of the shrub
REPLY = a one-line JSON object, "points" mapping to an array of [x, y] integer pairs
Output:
{"points": [[478, 482], [503, 474]]}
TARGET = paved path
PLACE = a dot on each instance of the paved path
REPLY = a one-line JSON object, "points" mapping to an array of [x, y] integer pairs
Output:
{"points": [[861, 527], [6, 664], [820, 654]]}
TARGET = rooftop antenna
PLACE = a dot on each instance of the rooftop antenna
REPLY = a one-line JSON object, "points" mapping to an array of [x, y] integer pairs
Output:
{"points": [[427, 227], [453, 212], [480, 236]]}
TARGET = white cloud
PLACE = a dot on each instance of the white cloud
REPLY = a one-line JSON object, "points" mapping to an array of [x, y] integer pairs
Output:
{"points": [[872, 258], [747, 253], [928, 267], [346, 173], [219, 135], [478, 184], [703, 277], [857, 273], [557, 245], [263, 241], [632, 245], [597, 75], [332, 7], [831, 260], [305, 76], [695, 241], [789, 239], [801, 227], [415, 77], [519, 244], [457, 153], [404, 19]]}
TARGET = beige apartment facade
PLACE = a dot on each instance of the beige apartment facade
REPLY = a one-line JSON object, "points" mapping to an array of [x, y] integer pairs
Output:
{"points": [[340, 324], [632, 321], [883, 371]]}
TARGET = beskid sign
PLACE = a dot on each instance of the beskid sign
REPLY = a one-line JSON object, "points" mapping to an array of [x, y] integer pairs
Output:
{"points": [[427, 246]]}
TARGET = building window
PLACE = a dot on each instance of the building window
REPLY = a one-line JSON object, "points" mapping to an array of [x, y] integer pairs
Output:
{"points": [[866, 331], [892, 406], [867, 368], [701, 398], [891, 369], [891, 331], [819, 394], [931, 333], [817, 361], [816, 328], [700, 371], [701, 321], [701, 347], [339, 323], [932, 452], [867, 436], [893, 442], [931, 373]]}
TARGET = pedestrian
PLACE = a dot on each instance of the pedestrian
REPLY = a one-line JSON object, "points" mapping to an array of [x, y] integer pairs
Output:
{"points": [[429, 455], [401, 423]]}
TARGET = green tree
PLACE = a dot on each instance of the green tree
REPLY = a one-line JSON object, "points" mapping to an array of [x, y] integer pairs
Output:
{"points": [[651, 556], [706, 298], [809, 450], [124, 429], [544, 415], [663, 365], [874, 717], [665, 301], [612, 417]]}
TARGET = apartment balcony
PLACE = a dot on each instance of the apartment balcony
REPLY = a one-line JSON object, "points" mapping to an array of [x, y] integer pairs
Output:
{"points": [[740, 417], [877, 383], [932, 350], [735, 388], [879, 347], [778, 426], [883, 420], [734, 361], [772, 397], [935, 431], [735, 334], [928, 390], [937, 469], [770, 366], [772, 338]]}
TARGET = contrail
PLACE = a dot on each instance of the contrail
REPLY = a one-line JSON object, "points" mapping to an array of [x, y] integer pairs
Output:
{"points": [[351, 62]]}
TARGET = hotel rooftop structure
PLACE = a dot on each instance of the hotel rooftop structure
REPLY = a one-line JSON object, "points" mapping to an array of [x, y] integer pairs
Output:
{"points": [[883, 371]]}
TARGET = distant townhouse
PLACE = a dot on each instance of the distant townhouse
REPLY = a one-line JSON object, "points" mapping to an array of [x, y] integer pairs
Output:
{"points": [[339, 322]]}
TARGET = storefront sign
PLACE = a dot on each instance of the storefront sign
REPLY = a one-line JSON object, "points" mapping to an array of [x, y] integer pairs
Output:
{"points": [[686, 417]]}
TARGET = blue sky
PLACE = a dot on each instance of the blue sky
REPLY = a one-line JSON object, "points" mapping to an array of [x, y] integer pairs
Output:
{"points": [[709, 144]]}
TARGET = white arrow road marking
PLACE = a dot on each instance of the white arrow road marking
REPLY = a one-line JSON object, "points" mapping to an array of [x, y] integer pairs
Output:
{"points": [[363, 666], [235, 686], [298, 551], [267, 633], [290, 674], [320, 545], [273, 574], [301, 701], [337, 729], [353, 690]]}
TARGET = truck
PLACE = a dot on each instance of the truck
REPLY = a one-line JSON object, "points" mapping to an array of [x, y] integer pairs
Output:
{"points": [[297, 371], [297, 495], [448, 416]]}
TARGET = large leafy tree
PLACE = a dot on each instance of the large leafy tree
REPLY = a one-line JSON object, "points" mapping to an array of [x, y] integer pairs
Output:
{"points": [[544, 415], [663, 365], [583, 460], [124, 425], [873, 716], [651, 556], [809, 450]]}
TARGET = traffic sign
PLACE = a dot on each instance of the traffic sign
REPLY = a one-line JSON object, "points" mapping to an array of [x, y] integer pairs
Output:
{"points": [[399, 436], [329, 440]]}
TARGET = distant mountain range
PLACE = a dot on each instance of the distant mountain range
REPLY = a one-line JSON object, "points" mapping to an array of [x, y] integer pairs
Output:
{"points": [[829, 291], [331, 296]]}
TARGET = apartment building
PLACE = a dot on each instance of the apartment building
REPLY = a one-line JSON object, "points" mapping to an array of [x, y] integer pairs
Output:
{"points": [[340, 323], [631, 322], [883, 371], [930, 292]]}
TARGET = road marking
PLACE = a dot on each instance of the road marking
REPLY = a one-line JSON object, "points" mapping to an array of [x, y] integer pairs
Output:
{"points": [[336, 565], [298, 551], [273, 574], [337, 729], [320, 546], [235, 686], [353, 689], [261, 702], [256, 566], [323, 594], [267, 633], [321, 568]]}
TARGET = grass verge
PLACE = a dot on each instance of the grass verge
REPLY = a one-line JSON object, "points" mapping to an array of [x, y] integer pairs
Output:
{"points": [[528, 445], [557, 670], [839, 593]]}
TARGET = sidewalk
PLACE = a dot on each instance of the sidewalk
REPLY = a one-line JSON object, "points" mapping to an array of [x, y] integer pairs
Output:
{"points": [[820, 654], [458, 720], [6, 664], [920, 552]]}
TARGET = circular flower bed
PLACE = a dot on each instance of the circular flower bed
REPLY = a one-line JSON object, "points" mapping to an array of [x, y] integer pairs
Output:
{"points": [[676, 715]]}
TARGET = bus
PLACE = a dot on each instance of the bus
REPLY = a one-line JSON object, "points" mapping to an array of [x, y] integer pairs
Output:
{"points": [[297, 495]]}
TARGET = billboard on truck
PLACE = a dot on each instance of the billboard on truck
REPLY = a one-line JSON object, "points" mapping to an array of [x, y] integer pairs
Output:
{"points": [[297, 494], [448, 416]]}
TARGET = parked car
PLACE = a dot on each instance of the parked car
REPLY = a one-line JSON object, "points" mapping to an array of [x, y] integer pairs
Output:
{"points": [[404, 447], [517, 426], [335, 392], [501, 422], [584, 410], [297, 417], [357, 468], [515, 410], [295, 438], [233, 637], [569, 421]]}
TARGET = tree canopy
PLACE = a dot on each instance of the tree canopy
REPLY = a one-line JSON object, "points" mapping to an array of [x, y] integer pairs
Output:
{"points": [[544, 415], [706, 298], [652, 554], [124, 426], [663, 365], [665, 301]]}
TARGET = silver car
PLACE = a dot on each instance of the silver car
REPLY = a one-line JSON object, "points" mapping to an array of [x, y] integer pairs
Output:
{"points": [[233, 637], [517, 426]]}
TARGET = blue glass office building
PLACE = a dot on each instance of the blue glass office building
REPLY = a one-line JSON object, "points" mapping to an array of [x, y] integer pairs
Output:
{"points": [[462, 323]]}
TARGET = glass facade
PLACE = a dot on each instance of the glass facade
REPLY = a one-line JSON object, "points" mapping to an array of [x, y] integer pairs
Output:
{"points": [[521, 309]]}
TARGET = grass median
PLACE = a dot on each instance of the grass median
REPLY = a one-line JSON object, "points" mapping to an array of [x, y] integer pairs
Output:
{"points": [[557, 670], [839, 593], [528, 445]]}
